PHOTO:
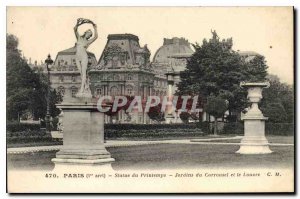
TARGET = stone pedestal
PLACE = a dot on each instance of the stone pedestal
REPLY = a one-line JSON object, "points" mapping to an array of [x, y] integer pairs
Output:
{"points": [[254, 140], [83, 142]]}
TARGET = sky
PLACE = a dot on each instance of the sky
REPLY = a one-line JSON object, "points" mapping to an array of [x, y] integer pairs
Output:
{"points": [[265, 30]]}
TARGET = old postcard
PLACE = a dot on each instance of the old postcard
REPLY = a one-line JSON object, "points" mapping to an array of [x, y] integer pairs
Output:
{"points": [[150, 100]]}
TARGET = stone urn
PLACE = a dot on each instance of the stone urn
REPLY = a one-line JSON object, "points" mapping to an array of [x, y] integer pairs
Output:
{"points": [[254, 140]]}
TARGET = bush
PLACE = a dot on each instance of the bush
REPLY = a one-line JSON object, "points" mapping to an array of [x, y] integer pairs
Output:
{"points": [[151, 130], [286, 129], [16, 126], [279, 129], [233, 128], [148, 126], [26, 133], [204, 126]]}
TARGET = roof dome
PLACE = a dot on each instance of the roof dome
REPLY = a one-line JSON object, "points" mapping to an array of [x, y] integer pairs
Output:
{"points": [[172, 55]]}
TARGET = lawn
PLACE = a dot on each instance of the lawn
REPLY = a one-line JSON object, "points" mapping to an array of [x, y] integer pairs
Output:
{"points": [[169, 156]]}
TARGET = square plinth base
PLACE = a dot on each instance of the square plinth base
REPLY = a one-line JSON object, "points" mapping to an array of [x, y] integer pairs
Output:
{"points": [[254, 149], [82, 165], [254, 145]]}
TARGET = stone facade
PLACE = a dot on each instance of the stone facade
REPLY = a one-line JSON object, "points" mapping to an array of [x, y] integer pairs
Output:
{"points": [[124, 68], [64, 75]]}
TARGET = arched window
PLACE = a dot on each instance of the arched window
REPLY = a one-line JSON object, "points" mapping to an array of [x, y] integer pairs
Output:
{"points": [[114, 91], [129, 77]]}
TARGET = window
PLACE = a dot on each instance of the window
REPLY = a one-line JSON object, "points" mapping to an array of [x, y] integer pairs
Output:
{"points": [[61, 90], [115, 61], [129, 91], [58, 63], [66, 63], [129, 77], [123, 59], [98, 92], [114, 91], [73, 78], [74, 91], [61, 78]]}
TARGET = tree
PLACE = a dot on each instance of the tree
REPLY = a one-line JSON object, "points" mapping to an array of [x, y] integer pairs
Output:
{"points": [[215, 69], [256, 69], [26, 89], [185, 116], [281, 94], [216, 106], [21, 80], [156, 114], [275, 113]]}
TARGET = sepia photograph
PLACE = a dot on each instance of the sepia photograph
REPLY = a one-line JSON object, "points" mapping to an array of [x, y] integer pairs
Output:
{"points": [[150, 99]]}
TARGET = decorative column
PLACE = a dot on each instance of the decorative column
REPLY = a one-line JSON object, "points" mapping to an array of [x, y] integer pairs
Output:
{"points": [[254, 140], [169, 112]]}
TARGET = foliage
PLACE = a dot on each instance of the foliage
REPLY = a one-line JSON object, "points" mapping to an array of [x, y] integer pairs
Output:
{"points": [[282, 95], [215, 106], [256, 69], [26, 89], [275, 113], [156, 114], [216, 69], [237, 128], [184, 116], [15, 126], [233, 128]]}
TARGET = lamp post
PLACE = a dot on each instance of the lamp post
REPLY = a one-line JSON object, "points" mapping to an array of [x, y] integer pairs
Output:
{"points": [[48, 62]]}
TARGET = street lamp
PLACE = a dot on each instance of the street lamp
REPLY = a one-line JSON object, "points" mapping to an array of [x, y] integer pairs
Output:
{"points": [[48, 62]]}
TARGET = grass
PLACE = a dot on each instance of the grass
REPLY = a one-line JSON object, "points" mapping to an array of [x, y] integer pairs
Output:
{"points": [[168, 156]]}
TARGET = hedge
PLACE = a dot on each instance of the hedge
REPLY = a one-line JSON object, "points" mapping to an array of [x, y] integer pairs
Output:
{"points": [[270, 128], [280, 128], [16, 126], [152, 130], [149, 126]]}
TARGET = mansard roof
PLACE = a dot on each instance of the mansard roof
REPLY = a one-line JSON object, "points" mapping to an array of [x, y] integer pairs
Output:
{"points": [[123, 36]]}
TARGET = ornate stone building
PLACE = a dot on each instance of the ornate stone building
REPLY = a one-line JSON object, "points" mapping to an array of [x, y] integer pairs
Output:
{"points": [[64, 75], [124, 68]]}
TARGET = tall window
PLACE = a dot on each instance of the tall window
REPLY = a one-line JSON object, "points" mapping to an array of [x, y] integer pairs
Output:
{"points": [[129, 77], [61, 78], [73, 78], [129, 91], [61, 90], [114, 91], [115, 61], [74, 91], [98, 92]]}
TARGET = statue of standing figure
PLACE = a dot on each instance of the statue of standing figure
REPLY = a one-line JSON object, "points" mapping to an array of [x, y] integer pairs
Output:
{"points": [[83, 42]]}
